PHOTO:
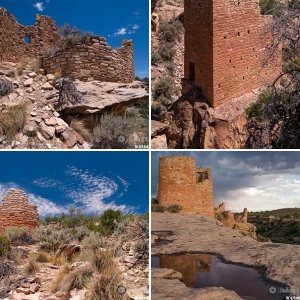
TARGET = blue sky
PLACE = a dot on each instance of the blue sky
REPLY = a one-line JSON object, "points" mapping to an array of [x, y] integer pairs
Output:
{"points": [[114, 19], [258, 180], [92, 181]]}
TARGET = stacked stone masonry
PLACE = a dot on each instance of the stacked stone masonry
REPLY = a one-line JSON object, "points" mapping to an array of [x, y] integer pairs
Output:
{"points": [[16, 211], [95, 60], [180, 182], [226, 47], [18, 42]]}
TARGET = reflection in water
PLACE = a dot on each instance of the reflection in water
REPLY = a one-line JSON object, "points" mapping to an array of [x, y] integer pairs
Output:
{"points": [[203, 270]]}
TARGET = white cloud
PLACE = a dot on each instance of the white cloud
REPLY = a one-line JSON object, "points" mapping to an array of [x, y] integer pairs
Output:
{"points": [[93, 190], [45, 182], [39, 6], [121, 31], [135, 26]]}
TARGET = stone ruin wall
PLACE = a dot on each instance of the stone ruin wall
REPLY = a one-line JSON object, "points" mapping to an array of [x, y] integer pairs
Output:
{"points": [[226, 44], [178, 184], [95, 60], [13, 45], [16, 211]]}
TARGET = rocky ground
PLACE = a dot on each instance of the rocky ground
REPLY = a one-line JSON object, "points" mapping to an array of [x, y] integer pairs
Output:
{"points": [[201, 234], [45, 111]]}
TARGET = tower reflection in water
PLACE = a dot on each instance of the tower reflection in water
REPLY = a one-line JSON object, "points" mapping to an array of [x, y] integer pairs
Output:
{"points": [[187, 265]]}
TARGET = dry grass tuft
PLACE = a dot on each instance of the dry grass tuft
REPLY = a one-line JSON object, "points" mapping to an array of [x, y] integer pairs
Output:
{"points": [[64, 270], [32, 266], [12, 120], [105, 287], [81, 128], [77, 279], [43, 257]]}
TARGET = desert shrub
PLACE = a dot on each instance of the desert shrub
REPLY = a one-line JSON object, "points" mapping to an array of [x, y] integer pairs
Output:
{"points": [[113, 131], [164, 88], [72, 36], [78, 279], [81, 128], [35, 65], [4, 245], [93, 241], [174, 208], [166, 51], [19, 235], [170, 31], [270, 7], [257, 108], [155, 58], [80, 233], [157, 111], [32, 266], [6, 87], [51, 237], [110, 218], [170, 68], [105, 287], [22, 66], [42, 257], [12, 120], [157, 208], [101, 260]]}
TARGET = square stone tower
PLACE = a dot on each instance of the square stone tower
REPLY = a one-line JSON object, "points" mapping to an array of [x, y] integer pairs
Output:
{"points": [[181, 183], [226, 44]]}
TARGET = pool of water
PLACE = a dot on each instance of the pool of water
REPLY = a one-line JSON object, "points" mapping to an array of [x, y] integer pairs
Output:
{"points": [[204, 270]]}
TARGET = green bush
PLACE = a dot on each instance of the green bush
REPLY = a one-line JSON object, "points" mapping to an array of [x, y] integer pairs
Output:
{"points": [[256, 109], [157, 111], [271, 7], [4, 245], [93, 241], [174, 208], [110, 219], [166, 51], [157, 208], [19, 235], [51, 237], [6, 87], [164, 88], [170, 31], [155, 58]]}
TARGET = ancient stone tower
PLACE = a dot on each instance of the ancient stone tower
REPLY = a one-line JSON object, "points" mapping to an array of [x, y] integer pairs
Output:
{"points": [[16, 211], [180, 182], [226, 44]]}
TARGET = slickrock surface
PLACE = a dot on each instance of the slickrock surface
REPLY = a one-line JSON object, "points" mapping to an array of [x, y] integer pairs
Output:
{"points": [[98, 96], [194, 233], [16, 211]]}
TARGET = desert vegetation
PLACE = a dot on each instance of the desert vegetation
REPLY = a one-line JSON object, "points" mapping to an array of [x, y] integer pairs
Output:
{"points": [[280, 226], [274, 118], [81, 255]]}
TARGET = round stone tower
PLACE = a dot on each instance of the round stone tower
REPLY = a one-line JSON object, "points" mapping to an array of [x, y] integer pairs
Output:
{"points": [[181, 183]]}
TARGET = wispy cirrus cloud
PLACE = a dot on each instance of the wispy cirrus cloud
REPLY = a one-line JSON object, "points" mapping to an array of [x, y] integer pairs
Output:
{"points": [[89, 192], [127, 30]]}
